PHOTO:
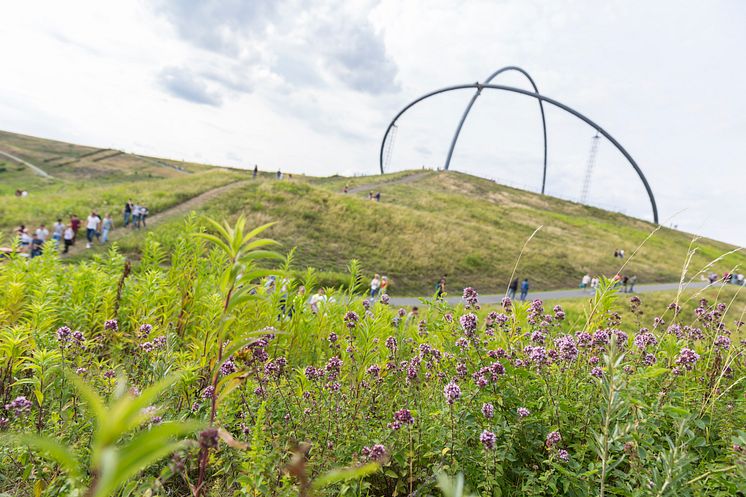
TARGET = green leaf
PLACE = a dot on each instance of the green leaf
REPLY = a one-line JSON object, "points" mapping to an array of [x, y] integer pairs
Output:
{"points": [[48, 447], [91, 398], [338, 475]]}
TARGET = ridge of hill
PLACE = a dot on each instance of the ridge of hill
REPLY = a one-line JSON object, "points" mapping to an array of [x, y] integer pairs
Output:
{"points": [[427, 224]]}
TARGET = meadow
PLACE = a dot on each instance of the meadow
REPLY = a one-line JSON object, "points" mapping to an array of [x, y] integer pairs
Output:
{"points": [[191, 373]]}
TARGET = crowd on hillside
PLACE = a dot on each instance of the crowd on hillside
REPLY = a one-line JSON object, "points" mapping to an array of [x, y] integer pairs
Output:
{"points": [[31, 242]]}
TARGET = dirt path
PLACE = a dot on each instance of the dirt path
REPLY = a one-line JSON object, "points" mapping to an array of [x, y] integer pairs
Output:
{"points": [[34, 168], [179, 209], [373, 186]]}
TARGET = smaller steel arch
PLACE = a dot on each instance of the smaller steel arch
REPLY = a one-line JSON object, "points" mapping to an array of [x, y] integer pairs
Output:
{"points": [[474, 99], [556, 103]]}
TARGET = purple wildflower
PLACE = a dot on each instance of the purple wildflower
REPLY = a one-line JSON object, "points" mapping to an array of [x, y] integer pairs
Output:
{"points": [[375, 453], [471, 297], [563, 455], [523, 412], [687, 358], [553, 438], [111, 325], [722, 342], [488, 410], [208, 392], [19, 406], [597, 372], [488, 439], [469, 324], [63, 334], [452, 392], [351, 319], [228, 367]]}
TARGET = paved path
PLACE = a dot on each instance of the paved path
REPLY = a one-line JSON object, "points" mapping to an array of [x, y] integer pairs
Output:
{"points": [[179, 209], [34, 168], [404, 179], [553, 294]]}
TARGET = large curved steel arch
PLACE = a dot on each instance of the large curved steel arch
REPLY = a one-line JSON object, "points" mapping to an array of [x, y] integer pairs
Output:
{"points": [[474, 99], [543, 98]]}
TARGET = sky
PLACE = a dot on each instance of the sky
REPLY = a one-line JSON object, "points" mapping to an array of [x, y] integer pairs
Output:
{"points": [[310, 87]]}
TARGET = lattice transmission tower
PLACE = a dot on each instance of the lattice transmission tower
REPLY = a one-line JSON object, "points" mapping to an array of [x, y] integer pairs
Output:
{"points": [[589, 169]]}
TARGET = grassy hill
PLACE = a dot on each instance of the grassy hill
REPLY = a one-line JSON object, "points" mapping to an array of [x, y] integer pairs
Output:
{"points": [[427, 223]]}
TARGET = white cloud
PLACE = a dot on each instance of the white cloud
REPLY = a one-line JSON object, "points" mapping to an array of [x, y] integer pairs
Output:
{"points": [[310, 87]]}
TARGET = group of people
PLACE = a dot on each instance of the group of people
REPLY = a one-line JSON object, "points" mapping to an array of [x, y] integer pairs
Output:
{"points": [[374, 196], [135, 215], [619, 253], [513, 288], [378, 286], [32, 242]]}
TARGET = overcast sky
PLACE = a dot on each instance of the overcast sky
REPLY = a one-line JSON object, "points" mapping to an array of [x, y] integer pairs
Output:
{"points": [[310, 86]]}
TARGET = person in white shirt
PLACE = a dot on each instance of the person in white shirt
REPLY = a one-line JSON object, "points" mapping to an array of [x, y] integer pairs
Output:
{"points": [[69, 237], [91, 228], [585, 281], [42, 233], [318, 299], [375, 285], [57, 232]]}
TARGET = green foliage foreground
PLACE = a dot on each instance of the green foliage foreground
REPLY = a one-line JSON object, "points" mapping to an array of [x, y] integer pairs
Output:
{"points": [[198, 377]]}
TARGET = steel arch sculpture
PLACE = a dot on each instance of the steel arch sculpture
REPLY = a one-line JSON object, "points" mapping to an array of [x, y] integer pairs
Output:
{"points": [[474, 99], [539, 97]]}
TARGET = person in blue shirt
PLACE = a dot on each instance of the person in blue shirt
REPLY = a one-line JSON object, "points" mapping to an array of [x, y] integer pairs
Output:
{"points": [[524, 289]]}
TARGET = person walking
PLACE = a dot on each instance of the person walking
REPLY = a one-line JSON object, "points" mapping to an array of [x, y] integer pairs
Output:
{"points": [[136, 216], [127, 213], [594, 283], [585, 281], [75, 225], [58, 230], [440, 287], [42, 233], [524, 289], [256, 171], [384, 285], [91, 228], [143, 215], [279, 174], [625, 282], [632, 281], [375, 285], [378, 196], [106, 226], [69, 238], [512, 288]]}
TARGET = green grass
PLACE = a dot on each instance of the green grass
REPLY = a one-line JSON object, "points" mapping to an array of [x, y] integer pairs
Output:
{"points": [[469, 228]]}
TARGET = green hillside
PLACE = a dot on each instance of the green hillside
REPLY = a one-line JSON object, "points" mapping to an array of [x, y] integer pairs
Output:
{"points": [[427, 223]]}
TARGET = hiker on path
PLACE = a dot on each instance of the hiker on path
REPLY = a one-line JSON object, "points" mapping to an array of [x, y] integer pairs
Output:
{"points": [[75, 225], [440, 287], [585, 281], [91, 228], [106, 226], [632, 282], [594, 283], [57, 232], [69, 238], [384, 285], [279, 174], [42, 233], [36, 244], [136, 216], [375, 285], [127, 213], [378, 196], [143, 215], [256, 171], [512, 289], [625, 282], [524, 289]]}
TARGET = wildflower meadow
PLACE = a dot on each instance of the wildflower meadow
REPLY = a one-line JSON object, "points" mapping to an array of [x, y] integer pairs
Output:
{"points": [[187, 374]]}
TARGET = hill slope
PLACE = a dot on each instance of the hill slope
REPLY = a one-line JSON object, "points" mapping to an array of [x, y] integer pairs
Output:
{"points": [[427, 224]]}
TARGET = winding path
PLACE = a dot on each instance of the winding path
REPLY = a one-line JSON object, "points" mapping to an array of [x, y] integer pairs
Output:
{"points": [[554, 294], [34, 168], [179, 209], [404, 179]]}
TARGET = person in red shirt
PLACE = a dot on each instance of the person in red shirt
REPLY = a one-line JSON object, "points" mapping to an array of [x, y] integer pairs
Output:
{"points": [[75, 225]]}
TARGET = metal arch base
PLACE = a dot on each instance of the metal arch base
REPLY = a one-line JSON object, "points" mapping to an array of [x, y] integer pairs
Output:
{"points": [[474, 99], [541, 98]]}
